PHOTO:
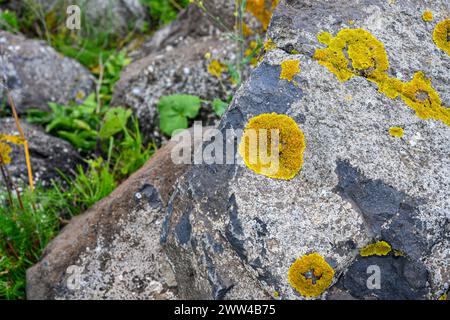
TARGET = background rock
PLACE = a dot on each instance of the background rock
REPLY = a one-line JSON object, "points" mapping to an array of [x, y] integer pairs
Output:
{"points": [[173, 70], [47, 154], [114, 16], [36, 74]]}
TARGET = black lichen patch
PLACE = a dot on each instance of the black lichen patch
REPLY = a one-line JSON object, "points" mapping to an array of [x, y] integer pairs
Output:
{"points": [[149, 193], [390, 214], [183, 229], [166, 222], [400, 279], [233, 231]]}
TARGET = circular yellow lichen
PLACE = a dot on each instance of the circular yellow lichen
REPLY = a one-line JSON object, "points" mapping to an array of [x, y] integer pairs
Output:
{"points": [[5, 151], [273, 145], [310, 275], [427, 16], [441, 35], [380, 248], [396, 132], [289, 68]]}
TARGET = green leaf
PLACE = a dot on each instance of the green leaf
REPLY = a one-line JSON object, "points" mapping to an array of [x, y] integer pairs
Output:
{"points": [[77, 140], [175, 110], [115, 121], [219, 107]]}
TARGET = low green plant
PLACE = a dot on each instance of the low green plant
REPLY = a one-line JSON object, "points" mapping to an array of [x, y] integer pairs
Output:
{"points": [[24, 233], [9, 21], [176, 110], [164, 11], [77, 124]]}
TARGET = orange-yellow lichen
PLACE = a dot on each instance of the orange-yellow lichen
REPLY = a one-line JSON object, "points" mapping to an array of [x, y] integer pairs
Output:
{"points": [[366, 55], [324, 37], [246, 30], [427, 16], [441, 35], [396, 132], [289, 68], [310, 275], [261, 10], [380, 248], [269, 45], [355, 52], [419, 95], [273, 145], [216, 68], [5, 151]]}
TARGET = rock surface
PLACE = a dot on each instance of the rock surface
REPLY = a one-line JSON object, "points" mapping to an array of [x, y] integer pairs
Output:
{"points": [[47, 154], [113, 251], [36, 74], [358, 184], [229, 233]]}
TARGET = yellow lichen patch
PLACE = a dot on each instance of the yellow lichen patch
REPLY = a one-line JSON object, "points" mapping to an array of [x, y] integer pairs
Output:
{"points": [[273, 145], [419, 95], [399, 253], [246, 30], [427, 16], [441, 35], [396, 132], [355, 52], [310, 275], [269, 45], [324, 37], [380, 248], [443, 297], [5, 151], [276, 294], [12, 139], [366, 55], [216, 68], [260, 11], [289, 68]]}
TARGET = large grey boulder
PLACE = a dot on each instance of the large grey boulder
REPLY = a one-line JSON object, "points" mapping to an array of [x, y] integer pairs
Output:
{"points": [[230, 233], [48, 154], [36, 74], [239, 232]]}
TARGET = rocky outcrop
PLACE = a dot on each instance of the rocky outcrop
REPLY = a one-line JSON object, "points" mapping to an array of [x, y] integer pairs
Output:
{"points": [[48, 155], [36, 74], [228, 232], [358, 184]]}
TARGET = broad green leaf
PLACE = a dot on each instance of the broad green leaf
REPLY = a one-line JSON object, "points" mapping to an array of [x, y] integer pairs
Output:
{"points": [[175, 109], [219, 107], [115, 121]]}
